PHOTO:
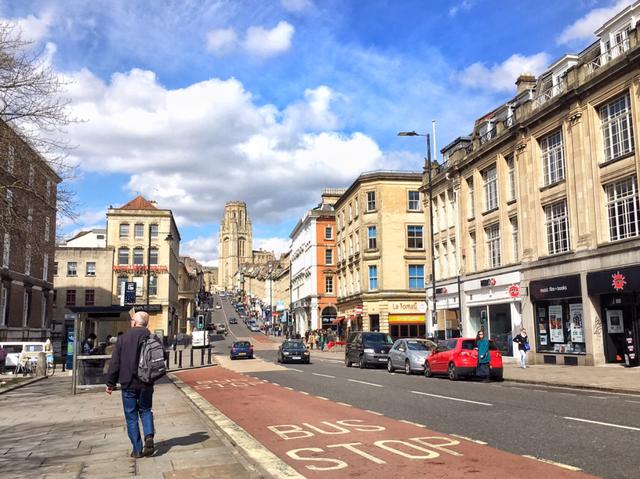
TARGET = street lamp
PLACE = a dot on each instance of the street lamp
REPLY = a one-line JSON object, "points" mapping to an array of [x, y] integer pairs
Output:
{"points": [[429, 168], [271, 295]]}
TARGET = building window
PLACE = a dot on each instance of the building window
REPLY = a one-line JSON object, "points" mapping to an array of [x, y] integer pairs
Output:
{"points": [[623, 208], [414, 237], [416, 276], [26, 308], [350, 245], [514, 238], [32, 175], [436, 260], [350, 213], [71, 298], [357, 236], [153, 230], [153, 285], [552, 158], [138, 256], [153, 256], [372, 242], [47, 228], [55, 268], [355, 205], [617, 129], [511, 168], [27, 260], [89, 297], [494, 257], [124, 230], [138, 231], [328, 232], [371, 200], [6, 250], [473, 252], [45, 266], [123, 256], [328, 284], [72, 268], [91, 268], [557, 227], [490, 177], [328, 256], [414, 201], [471, 204], [373, 278]]}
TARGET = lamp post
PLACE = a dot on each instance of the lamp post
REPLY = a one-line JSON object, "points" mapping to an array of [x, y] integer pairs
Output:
{"points": [[271, 296], [429, 168]]}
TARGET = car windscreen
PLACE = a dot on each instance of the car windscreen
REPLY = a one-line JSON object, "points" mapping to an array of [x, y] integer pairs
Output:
{"points": [[293, 345], [242, 344], [377, 339], [415, 345]]}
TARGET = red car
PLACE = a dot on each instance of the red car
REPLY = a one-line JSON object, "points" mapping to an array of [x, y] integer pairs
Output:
{"points": [[459, 357]]}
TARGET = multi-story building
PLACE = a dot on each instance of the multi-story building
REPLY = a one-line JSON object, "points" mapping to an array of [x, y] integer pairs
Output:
{"points": [[28, 189], [210, 279], [235, 246], [313, 266], [190, 285], [547, 229], [381, 254], [146, 243]]}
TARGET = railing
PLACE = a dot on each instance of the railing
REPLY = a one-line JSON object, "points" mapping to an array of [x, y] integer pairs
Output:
{"points": [[604, 58], [548, 94], [488, 136]]}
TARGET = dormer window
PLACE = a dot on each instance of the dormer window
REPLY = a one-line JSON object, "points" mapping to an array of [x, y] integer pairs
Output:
{"points": [[487, 131]]}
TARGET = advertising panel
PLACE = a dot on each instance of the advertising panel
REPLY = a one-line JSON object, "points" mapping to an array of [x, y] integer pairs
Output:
{"points": [[555, 324], [576, 323]]}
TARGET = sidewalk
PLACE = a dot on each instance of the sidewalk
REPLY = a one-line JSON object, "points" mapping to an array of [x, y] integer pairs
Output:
{"points": [[612, 377], [48, 433]]}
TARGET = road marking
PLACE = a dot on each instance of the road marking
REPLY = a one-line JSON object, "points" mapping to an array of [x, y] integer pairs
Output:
{"points": [[469, 439], [304, 392], [567, 394], [323, 398], [287, 387], [365, 382], [374, 412], [344, 404], [412, 423], [296, 370], [635, 402], [324, 375], [553, 463], [620, 426], [599, 397], [275, 384], [452, 399]]}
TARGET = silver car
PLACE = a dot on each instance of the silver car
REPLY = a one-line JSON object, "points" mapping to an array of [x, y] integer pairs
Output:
{"points": [[409, 354]]}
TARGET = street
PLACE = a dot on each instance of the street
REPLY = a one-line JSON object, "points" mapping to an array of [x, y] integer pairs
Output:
{"points": [[593, 431]]}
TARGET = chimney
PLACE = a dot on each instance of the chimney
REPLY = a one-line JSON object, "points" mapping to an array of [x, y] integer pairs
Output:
{"points": [[526, 81]]}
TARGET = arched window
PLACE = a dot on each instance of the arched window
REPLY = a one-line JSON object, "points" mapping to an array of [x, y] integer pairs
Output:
{"points": [[225, 247], [241, 247], [123, 256], [138, 256]]}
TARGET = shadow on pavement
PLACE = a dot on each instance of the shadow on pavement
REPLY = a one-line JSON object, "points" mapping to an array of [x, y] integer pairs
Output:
{"points": [[162, 447]]}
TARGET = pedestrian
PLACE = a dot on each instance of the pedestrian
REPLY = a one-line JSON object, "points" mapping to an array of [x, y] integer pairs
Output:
{"points": [[484, 357], [523, 346], [3, 359], [312, 340], [137, 397]]}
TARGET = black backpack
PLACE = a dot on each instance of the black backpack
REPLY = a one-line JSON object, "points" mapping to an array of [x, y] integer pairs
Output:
{"points": [[151, 365]]}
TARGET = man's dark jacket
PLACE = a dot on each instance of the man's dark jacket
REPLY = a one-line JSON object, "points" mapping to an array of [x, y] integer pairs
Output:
{"points": [[123, 367]]}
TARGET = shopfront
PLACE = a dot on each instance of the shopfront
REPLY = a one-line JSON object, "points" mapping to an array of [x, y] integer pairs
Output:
{"points": [[559, 319], [447, 324], [618, 293], [407, 319]]}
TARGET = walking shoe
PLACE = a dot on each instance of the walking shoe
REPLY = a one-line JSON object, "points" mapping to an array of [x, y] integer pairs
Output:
{"points": [[148, 445], [136, 455]]}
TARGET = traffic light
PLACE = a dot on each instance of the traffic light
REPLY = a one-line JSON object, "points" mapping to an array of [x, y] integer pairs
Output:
{"points": [[200, 322]]}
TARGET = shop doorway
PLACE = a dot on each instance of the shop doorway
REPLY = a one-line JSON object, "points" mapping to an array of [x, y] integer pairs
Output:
{"points": [[496, 321], [620, 318]]}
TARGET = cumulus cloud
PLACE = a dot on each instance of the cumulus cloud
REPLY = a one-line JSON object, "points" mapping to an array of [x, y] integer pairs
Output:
{"points": [[297, 6], [202, 248], [221, 41], [502, 76], [32, 28], [275, 244], [265, 43], [584, 28], [194, 148], [463, 6]]}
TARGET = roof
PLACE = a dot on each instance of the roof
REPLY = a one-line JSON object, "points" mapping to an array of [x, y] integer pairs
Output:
{"points": [[139, 203]]}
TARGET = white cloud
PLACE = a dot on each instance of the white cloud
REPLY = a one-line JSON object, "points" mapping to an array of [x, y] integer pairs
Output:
{"points": [[502, 76], [32, 28], [264, 43], [584, 28], [194, 148], [275, 244], [297, 6], [221, 41], [204, 249], [463, 6]]}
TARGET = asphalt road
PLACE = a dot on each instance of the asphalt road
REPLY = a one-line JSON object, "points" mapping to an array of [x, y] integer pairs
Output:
{"points": [[596, 432]]}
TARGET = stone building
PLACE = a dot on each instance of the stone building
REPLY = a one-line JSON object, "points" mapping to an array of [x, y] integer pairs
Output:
{"points": [[235, 244], [381, 254], [537, 212], [28, 196], [210, 279], [190, 284]]}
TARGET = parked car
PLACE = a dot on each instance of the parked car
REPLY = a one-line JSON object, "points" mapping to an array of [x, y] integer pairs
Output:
{"points": [[458, 357], [367, 348], [409, 354], [254, 328], [221, 328], [218, 306], [241, 349], [233, 320], [293, 350]]}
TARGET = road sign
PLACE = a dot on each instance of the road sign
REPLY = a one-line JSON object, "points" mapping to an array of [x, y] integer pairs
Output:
{"points": [[130, 292]]}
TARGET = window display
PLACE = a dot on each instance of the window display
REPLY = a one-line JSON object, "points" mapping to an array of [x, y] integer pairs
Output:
{"points": [[560, 327]]}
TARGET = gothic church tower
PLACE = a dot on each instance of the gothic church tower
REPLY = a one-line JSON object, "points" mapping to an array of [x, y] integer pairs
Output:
{"points": [[235, 243]]}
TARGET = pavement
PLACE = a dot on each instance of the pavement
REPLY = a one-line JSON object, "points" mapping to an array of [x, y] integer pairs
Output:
{"points": [[49, 433]]}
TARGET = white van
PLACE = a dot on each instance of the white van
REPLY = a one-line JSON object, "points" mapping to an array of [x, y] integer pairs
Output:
{"points": [[15, 348]]}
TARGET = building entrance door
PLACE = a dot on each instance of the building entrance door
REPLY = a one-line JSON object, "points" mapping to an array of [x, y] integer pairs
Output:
{"points": [[620, 317]]}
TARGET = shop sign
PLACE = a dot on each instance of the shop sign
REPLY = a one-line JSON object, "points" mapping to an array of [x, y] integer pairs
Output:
{"points": [[441, 291], [563, 287], [514, 290], [408, 307], [619, 280], [358, 309], [488, 282], [139, 269]]}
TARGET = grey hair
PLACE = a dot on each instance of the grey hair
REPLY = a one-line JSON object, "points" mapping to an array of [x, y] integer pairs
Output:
{"points": [[141, 318]]}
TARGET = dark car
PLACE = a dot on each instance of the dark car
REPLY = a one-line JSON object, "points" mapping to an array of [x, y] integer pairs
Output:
{"points": [[458, 357], [366, 348], [293, 350], [233, 320], [241, 349]]}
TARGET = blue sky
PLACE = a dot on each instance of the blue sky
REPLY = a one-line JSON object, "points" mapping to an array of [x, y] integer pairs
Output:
{"points": [[195, 103]]}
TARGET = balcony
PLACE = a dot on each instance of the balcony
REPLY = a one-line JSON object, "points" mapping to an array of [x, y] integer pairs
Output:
{"points": [[549, 93], [488, 135], [606, 57]]}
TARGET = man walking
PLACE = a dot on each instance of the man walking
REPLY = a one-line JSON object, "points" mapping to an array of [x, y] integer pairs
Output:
{"points": [[137, 396]]}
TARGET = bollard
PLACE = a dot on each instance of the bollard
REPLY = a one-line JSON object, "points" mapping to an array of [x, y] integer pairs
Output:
{"points": [[175, 356], [41, 365], [202, 357], [209, 356], [180, 359], [191, 358]]}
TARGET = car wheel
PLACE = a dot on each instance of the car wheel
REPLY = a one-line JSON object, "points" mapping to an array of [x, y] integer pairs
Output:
{"points": [[407, 368], [453, 373], [347, 362], [427, 369], [362, 363], [390, 367]]}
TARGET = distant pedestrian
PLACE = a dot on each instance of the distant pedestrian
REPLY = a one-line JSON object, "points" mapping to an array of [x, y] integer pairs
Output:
{"points": [[111, 346], [312, 340], [523, 346], [484, 358], [137, 396]]}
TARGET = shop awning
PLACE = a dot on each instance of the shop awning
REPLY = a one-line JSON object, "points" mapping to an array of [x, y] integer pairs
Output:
{"points": [[338, 320], [406, 318]]}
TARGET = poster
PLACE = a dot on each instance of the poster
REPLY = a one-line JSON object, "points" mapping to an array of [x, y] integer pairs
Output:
{"points": [[576, 323], [543, 340], [614, 321], [555, 324]]}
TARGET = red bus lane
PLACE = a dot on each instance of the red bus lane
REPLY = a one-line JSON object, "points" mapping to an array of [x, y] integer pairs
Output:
{"points": [[323, 439]]}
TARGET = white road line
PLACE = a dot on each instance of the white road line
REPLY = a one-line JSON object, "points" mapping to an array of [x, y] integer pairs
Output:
{"points": [[635, 402], [296, 370], [374, 412], [323, 398], [365, 382], [324, 375], [599, 397], [287, 387], [304, 392], [452, 399], [344, 404], [554, 463], [469, 439], [620, 426], [275, 384], [412, 423]]}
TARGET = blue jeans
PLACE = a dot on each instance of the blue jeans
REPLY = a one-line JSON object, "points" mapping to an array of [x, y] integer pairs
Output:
{"points": [[138, 402]]}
